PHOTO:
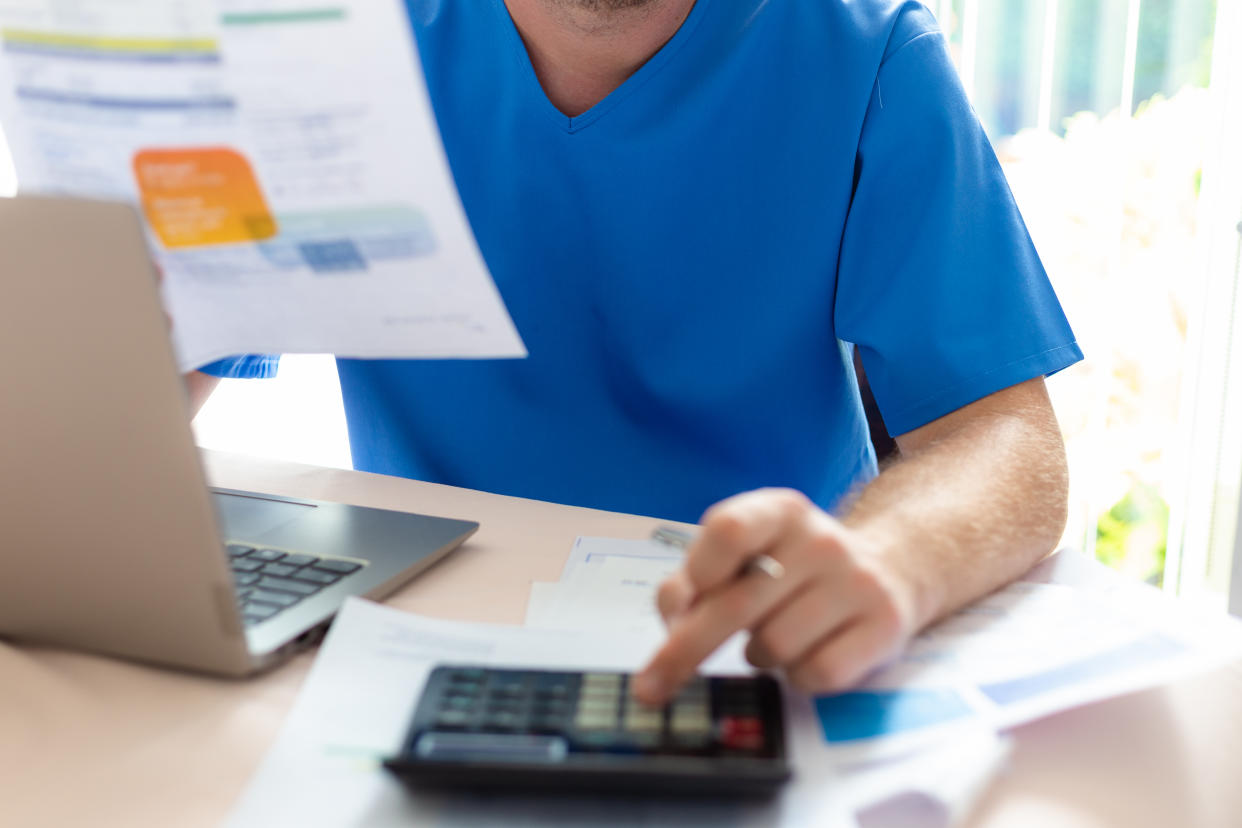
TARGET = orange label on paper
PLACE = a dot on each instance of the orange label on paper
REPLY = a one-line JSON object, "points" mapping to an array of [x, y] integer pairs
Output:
{"points": [[195, 197]]}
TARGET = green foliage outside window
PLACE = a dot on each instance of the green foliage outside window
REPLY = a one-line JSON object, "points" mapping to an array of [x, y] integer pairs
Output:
{"points": [[1132, 535]]}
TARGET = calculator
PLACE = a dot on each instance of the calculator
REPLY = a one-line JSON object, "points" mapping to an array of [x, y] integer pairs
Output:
{"points": [[542, 730]]}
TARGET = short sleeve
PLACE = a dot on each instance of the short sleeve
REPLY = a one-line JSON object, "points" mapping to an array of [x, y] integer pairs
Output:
{"points": [[252, 366], [939, 285]]}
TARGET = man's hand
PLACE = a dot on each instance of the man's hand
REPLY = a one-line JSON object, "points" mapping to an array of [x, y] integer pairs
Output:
{"points": [[198, 387], [837, 610], [976, 499]]}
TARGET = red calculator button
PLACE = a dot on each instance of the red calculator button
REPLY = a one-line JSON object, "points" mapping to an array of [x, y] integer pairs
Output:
{"points": [[741, 732]]}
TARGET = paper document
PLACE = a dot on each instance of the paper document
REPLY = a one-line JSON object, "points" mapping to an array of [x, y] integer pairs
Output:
{"points": [[286, 160], [607, 584]]}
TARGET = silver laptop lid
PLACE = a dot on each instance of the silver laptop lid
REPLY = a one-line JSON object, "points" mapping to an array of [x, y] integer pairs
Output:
{"points": [[109, 540]]}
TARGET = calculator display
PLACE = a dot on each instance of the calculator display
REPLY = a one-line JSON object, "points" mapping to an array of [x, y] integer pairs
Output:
{"points": [[486, 727]]}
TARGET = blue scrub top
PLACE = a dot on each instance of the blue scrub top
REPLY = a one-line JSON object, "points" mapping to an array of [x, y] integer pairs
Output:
{"points": [[692, 261]]}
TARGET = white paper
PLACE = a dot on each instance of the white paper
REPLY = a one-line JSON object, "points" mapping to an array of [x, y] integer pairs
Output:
{"points": [[934, 788], [615, 594], [594, 550], [352, 237]]}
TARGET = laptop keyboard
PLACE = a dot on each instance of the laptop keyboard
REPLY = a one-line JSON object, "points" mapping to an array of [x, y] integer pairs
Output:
{"points": [[269, 580]]}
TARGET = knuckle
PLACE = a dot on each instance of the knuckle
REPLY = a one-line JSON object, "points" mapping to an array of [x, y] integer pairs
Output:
{"points": [[818, 675], [758, 655], [725, 526], [825, 546], [883, 605], [792, 502], [890, 620], [778, 649], [867, 582], [666, 597]]}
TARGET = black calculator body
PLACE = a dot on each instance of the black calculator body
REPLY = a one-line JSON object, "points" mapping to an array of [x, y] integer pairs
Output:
{"points": [[538, 730]]}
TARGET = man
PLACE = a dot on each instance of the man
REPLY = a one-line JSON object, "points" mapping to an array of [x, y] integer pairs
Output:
{"points": [[689, 207]]}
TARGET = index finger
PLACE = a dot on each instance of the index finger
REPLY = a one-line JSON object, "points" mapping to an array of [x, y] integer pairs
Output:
{"points": [[707, 625]]}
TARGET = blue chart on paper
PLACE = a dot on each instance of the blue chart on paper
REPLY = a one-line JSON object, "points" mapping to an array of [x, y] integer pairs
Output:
{"points": [[867, 714], [1148, 650]]}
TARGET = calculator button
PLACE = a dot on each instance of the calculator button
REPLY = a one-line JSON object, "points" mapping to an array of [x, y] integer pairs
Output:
{"points": [[246, 565], [547, 724], [238, 550], [555, 692], [741, 732], [692, 742], [601, 681], [502, 720], [504, 709], [452, 718], [598, 692], [267, 555], [299, 560], [690, 720], [507, 691], [598, 705], [644, 740], [595, 720], [696, 689], [643, 720], [605, 739]]}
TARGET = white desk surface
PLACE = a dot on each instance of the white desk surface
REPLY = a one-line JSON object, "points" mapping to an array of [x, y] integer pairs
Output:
{"points": [[92, 741]]}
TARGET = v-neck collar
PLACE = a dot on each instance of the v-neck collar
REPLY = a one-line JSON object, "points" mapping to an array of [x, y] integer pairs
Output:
{"points": [[631, 84]]}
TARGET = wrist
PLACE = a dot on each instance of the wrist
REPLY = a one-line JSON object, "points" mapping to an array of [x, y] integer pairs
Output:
{"points": [[916, 586]]}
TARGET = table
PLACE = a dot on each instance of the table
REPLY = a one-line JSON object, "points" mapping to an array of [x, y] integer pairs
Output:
{"points": [[93, 741]]}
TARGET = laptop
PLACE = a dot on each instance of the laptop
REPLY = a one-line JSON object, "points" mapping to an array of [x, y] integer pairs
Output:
{"points": [[110, 539]]}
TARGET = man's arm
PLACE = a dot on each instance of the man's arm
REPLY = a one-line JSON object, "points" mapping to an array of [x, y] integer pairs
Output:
{"points": [[198, 387], [976, 499]]}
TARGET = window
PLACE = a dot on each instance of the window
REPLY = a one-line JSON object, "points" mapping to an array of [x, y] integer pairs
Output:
{"points": [[8, 178], [1109, 117], [297, 416]]}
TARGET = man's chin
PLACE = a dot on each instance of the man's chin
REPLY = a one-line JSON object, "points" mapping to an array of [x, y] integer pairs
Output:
{"points": [[608, 6]]}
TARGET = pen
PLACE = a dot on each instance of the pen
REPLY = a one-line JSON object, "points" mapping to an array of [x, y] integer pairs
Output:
{"points": [[759, 564]]}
